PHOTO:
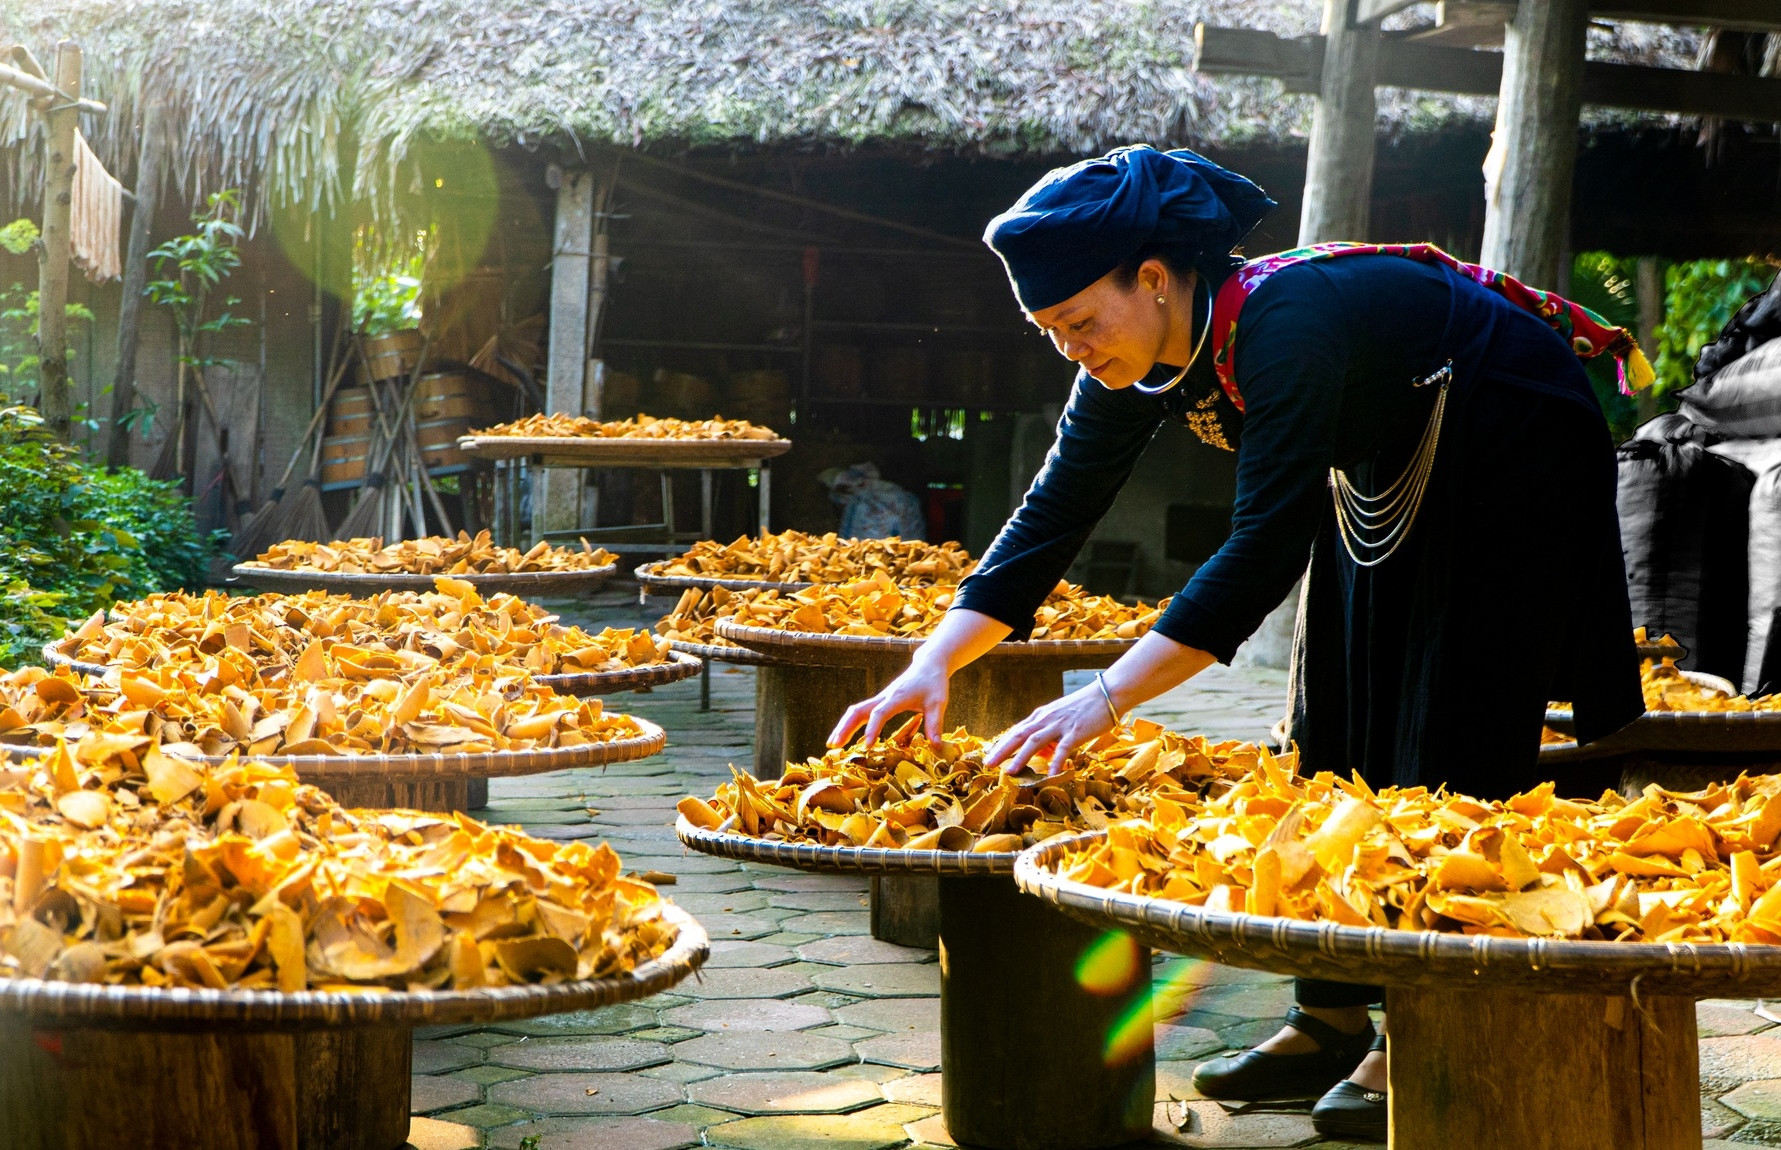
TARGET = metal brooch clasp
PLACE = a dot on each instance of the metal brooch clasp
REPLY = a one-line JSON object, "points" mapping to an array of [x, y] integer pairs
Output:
{"points": [[1442, 375]]}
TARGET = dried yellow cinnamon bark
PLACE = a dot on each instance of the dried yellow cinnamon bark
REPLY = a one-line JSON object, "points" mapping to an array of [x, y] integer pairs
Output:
{"points": [[434, 555], [637, 427]]}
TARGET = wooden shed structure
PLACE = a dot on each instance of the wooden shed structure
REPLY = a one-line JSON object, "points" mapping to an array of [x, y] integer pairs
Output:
{"points": [[756, 196]]}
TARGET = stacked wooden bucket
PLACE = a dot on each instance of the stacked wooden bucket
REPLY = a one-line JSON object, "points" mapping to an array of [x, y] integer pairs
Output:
{"points": [[448, 403]]}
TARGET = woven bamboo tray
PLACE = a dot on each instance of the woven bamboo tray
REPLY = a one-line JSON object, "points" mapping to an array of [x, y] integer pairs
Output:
{"points": [[857, 860], [1404, 957], [539, 584], [646, 575], [1699, 731], [715, 653], [146, 1007], [603, 452], [679, 666], [486, 765], [873, 650]]}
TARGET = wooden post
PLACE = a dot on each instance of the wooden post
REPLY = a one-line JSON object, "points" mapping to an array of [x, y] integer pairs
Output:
{"points": [[1480, 1070], [1035, 1060], [1339, 165], [556, 499], [1648, 290], [149, 162], [98, 1089], [1527, 183], [58, 208]]}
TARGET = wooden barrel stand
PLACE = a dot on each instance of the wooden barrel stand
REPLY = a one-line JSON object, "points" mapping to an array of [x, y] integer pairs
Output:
{"points": [[445, 795], [1485, 1069], [1023, 1046], [86, 1088]]}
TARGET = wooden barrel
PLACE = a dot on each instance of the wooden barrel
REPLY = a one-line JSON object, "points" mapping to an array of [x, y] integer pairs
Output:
{"points": [[682, 394], [343, 460], [392, 356], [762, 397], [438, 441], [622, 396], [451, 395]]}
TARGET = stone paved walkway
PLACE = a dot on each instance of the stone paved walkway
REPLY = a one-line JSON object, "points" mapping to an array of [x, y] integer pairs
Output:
{"points": [[804, 1032]]}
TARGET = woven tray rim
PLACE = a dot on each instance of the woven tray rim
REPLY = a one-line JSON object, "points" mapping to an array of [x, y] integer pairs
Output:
{"points": [[541, 583], [146, 1007], [680, 665], [689, 452], [1698, 678], [771, 638], [1399, 957], [853, 860], [646, 576], [712, 653], [484, 764]]}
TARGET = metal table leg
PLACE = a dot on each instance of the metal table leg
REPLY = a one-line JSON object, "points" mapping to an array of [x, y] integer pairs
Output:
{"points": [[705, 503], [765, 489]]}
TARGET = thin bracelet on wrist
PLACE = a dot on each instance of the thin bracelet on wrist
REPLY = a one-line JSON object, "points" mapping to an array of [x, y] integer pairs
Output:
{"points": [[1112, 711]]}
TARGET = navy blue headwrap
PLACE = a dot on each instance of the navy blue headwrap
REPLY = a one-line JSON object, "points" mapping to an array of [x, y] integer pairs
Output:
{"points": [[1080, 222]]}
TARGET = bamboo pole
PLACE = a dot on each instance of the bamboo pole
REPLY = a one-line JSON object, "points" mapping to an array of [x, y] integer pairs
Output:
{"points": [[56, 401], [148, 197]]}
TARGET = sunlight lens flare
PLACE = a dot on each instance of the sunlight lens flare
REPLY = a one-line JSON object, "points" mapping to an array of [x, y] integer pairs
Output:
{"points": [[1110, 964]]}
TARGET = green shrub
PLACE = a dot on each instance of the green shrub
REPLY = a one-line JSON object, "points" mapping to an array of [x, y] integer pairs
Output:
{"points": [[75, 538]]}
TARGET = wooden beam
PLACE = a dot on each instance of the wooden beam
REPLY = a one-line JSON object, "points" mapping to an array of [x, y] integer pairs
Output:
{"points": [[1527, 176], [150, 157], [1743, 15], [56, 401], [1467, 24], [556, 501], [1403, 63], [1339, 161]]}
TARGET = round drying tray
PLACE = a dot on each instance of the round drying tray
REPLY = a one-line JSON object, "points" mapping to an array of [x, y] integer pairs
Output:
{"points": [[647, 575], [726, 653], [150, 1008], [482, 765], [592, 451], [1699, 731], [1429, 959], [875, 650], [679, 666], [1560, 718], [867, 860], [539, 584]]}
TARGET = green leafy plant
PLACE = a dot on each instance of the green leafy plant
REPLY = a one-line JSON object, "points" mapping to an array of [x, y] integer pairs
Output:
{"points": [[387, 281], [1700, 298], [1604, 284], [79, 537], [18, 318]]}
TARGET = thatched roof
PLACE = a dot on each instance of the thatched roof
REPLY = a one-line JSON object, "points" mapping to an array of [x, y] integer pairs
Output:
{"points": [[264, 90]]}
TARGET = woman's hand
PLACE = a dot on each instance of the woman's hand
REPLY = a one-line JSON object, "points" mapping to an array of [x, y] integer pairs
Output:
{"points": [[1055, 729], [922, 688]]}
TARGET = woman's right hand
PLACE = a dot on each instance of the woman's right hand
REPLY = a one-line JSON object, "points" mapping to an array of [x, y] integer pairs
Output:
{"points": [[922, 688]]}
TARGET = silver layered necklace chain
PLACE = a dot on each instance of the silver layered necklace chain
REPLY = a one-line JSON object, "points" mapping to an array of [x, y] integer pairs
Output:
{"points": [[1373, 527]]}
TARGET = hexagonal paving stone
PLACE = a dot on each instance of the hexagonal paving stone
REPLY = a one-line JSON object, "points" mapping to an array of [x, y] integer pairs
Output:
{"points": [[1721, 1016], [749, 1014], [735, 902], [1728, 1062], [1717, 1121], [606, 1020], [912, 1049], [742, 926], [832, 922], [921, 1089], [1759, 1099], [681, 1072], [727, 954], [598, 1134], [488, 1116], [581, 1054], [568, 1094], [793, 1092], [1189, 1042], [1267, 1001], [849, 950], [1175, 1082], [705, 883], [437, 1092], [437, 1134], [823, 900], [930, 1131], [844, 1033], [681, 864], [807, 1132], [893, 1014], [744, 982], [765, 1050], [814, 882], [665, 1033], [1205, 1124], [438, 1057], [489, 1075], [883, 980], [635, 816]]}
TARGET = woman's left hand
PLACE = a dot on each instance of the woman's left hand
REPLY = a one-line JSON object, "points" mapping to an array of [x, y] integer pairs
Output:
{"points": [[1055, 729]]}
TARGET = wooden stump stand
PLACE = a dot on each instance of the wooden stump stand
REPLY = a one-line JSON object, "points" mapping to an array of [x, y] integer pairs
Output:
{"points": [[419, 794], [85, 1088]]}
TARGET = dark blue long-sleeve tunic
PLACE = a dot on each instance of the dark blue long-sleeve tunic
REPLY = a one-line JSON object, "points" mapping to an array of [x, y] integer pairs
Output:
{"points": [[1328, 356]]}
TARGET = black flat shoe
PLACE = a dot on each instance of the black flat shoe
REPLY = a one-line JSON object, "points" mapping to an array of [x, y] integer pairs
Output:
{"points": [[1257, 1076], [1351, 1111]]}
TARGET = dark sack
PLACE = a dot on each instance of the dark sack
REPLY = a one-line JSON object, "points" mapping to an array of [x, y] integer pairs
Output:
{"points": [[1685, 529], [1743, 398], [1765, 575]]}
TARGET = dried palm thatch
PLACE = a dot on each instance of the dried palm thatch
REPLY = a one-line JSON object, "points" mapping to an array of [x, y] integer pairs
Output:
{"points": [[265, 93]]}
